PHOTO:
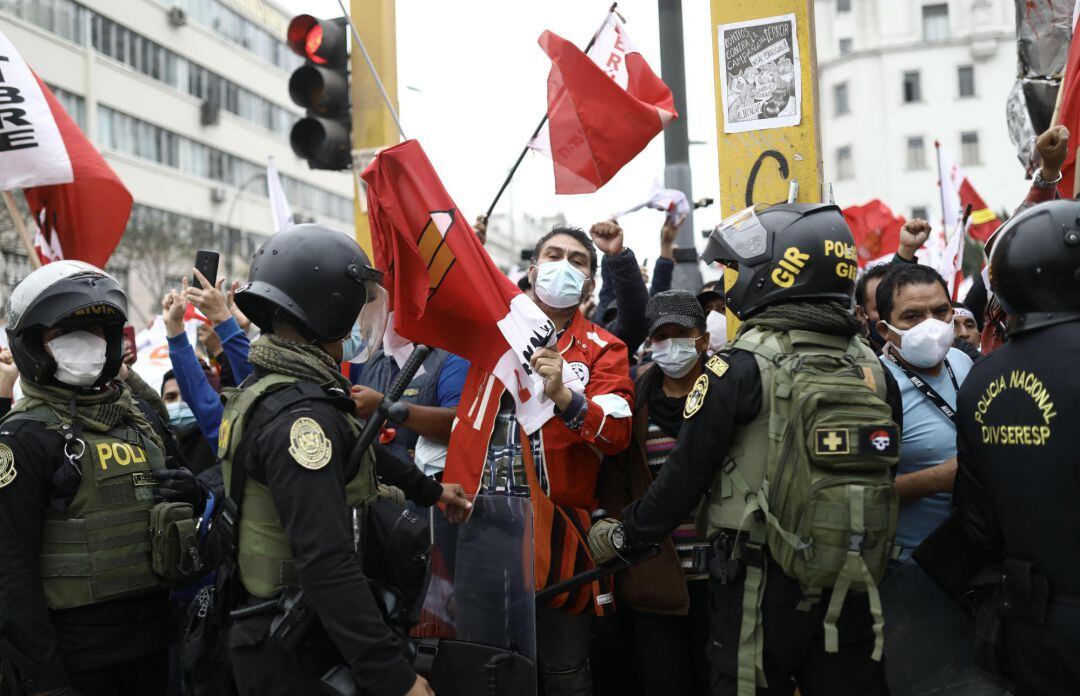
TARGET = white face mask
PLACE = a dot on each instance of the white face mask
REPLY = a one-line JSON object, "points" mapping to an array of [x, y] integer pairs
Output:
{"points": [[675, 356], [716, 323], [926, 343], [559, 284], [79, 356]]}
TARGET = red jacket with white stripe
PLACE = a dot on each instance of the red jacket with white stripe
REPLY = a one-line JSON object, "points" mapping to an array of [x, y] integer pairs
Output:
{"points": [[571, 458]]}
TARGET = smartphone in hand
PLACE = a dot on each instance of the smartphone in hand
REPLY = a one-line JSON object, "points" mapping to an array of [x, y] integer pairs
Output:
{"points": [[206, 262]]}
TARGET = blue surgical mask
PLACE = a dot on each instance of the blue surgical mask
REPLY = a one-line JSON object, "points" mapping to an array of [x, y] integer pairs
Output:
{"points": [[181, 419], [353, 345], [559, 284], [675, 356]]}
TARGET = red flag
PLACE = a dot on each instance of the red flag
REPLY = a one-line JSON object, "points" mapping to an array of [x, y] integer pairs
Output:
{"points": [[876, 229], [603, 108], [1069, 114], [84, 219], [445, 291]]}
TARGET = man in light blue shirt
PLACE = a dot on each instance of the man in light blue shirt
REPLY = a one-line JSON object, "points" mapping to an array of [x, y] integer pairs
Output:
{"points": [[928, 638]]}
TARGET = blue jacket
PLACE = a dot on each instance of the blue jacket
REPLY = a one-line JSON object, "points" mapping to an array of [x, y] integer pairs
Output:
{"points": [[195, 389]]}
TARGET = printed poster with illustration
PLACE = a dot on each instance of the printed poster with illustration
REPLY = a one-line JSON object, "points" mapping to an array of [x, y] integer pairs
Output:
{"points": [[759, 62]]}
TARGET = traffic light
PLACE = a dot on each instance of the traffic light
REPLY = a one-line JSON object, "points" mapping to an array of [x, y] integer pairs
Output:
{"points": [[321, 85]]}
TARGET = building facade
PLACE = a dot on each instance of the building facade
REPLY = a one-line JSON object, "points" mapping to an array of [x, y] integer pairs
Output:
{"points": [[186, 99], [894, 77]]}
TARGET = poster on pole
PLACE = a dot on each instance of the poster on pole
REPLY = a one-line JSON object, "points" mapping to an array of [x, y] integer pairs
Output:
{"points": [[759, 72]]}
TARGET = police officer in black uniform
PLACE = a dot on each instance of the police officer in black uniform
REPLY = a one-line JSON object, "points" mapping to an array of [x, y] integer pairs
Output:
{"points": [[1018, 478], [81, 609], [285, 441], [796, 272]]}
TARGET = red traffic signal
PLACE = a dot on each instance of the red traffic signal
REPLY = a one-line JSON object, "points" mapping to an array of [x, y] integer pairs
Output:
{"points": [[321, 41], [321, 87]]}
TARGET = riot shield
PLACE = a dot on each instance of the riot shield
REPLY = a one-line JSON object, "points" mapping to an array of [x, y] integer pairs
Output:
{"points": [[477, 630]]}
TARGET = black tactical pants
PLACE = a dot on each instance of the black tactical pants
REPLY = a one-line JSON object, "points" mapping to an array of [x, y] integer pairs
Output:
{"points": [[794, 652], [147, 675], [1043, 657], [262, 667]]}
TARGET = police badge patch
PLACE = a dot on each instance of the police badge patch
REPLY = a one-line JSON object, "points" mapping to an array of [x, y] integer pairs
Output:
{"points": [[309, 445], [7, 465], [696, 397]]}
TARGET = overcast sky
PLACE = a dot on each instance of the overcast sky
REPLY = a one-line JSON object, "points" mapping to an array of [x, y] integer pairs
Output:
{"points": [[472, 85]]}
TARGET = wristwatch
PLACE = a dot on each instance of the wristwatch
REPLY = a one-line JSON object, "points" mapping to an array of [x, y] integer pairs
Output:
{"points": [[1040, 183], [618, 538]]}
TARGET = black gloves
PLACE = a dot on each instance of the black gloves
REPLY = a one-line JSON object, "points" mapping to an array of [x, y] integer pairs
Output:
{"points": [[179, 486]]}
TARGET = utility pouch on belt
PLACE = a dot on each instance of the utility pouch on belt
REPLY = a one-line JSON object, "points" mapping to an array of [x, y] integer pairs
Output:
{"points": [[174, 543], [1027, 593], [722, 567]]}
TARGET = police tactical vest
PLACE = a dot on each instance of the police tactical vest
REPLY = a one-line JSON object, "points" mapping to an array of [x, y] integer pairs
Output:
{"points": [[265, 557], [380, 371], [810, 478], [99, 549]]}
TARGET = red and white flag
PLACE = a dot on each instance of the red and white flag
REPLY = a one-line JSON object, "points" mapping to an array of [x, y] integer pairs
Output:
{"points": [[603, 108], [445, 291], [957, 193], [80, 205]]}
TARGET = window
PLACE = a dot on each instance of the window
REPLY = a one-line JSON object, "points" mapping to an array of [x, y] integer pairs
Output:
{"points": [[965, 75], [224, 21], [969, 148], [149, 58], [912, 87], [843, 5], [132, 136], [72, 103], [916, 153], [921, 212], [845, 167], [840, 99], [845, 46], [935, 22], [62, 17]]}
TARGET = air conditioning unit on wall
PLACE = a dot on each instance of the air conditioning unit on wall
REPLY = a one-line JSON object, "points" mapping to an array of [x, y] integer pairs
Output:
{"points": [[177, 17]]}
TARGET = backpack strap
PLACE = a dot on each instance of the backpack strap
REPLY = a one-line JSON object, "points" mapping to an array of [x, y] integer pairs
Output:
{"points": [[855, 572]]}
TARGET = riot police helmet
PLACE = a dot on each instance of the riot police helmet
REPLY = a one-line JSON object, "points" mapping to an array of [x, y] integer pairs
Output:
{"points": [[68, 295], [1035, 266], [785, 252], [319, 281]]}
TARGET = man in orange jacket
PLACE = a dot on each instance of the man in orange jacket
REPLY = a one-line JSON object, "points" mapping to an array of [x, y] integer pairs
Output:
{"points": [[586, 375]]}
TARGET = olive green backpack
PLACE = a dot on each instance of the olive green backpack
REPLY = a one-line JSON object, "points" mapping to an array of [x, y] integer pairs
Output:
{"points": [[827, 507]]}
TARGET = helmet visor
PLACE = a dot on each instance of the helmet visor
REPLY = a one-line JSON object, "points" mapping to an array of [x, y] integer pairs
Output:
{"points": [[743, 235], [371, 322]]}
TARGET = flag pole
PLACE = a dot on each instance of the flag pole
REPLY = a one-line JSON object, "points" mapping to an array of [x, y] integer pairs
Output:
{"points": [[539, 126], [374, 72], [940, 181], [20, 227]]}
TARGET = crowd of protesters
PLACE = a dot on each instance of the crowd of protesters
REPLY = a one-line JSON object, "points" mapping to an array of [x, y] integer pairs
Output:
{"points": [[631, 365]]}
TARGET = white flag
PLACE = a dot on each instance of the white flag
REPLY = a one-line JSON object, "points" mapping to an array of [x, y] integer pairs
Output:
{"points": [[671, 201], [279, 205], [32, 152], [950, 178]]}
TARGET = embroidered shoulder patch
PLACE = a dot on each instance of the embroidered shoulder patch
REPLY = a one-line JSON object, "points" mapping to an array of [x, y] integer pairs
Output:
{"points": [[7, 465], [223, 435], [717, 365], [696, 397], [309, 445]]}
